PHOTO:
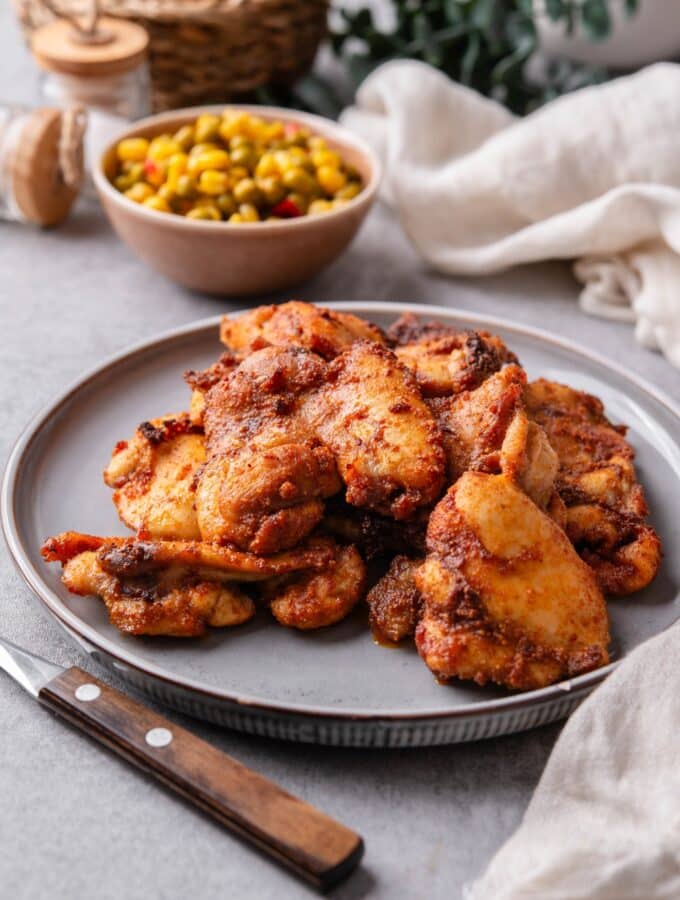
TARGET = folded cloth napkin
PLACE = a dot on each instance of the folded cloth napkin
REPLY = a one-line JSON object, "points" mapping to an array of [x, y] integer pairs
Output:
{"points": [[593, 175], [604, 822]]}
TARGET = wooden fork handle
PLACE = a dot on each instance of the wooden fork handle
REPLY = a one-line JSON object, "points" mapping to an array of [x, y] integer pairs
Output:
{"points": [[316, 847]]}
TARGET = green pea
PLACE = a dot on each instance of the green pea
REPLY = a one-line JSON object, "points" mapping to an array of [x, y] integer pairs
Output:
{"points": [[227, 204], [186, 186], [185, 137], [247, 191]]}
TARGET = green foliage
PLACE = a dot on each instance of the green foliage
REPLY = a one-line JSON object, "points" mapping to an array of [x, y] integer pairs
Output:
{"points": [[484, 44]]}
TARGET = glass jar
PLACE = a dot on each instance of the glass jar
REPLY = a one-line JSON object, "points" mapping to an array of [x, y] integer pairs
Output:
{"points": [[41, 162], [103, 68]]}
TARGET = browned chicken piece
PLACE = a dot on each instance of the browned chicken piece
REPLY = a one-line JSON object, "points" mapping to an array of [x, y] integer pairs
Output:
{"points": [[172, 601], [605, 504], [129, 557], [297, 324], [153, 478], [317, 599], [267, 472], [387, 445], [506, 598], [395, 601], [200, 383], [446, 360], [488, 430]]}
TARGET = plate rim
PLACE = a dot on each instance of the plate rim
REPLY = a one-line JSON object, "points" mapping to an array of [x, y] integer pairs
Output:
{"points": [[91, 640]]}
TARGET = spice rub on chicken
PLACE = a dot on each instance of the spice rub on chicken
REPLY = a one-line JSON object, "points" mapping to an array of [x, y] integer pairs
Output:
{"points": [[505, 596], [446, 360], [267, 472], [297, 324], [153, 477], [385, 440], [321, 456], [605, 504], [175, 588]]}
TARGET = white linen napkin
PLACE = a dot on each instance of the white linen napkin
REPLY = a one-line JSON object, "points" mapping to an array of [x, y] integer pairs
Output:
{"points": [[594, 175], [604, 821]]}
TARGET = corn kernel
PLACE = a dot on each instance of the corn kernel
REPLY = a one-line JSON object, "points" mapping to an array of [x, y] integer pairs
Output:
{"points": [[211, 159], [248, 212], [273, 131], [204, 147], [331, 179], [166, 192], [236, 217], [284, 160], [266, 166], [207, 127], [238, 173], [317, 143], [213, 182], [253, 126], [177, 166], [326, 158], [208, 213], [349, 191], [319, 206], [232, 124], [132, 148], [163, 147], [157, 203], [139, 192]]}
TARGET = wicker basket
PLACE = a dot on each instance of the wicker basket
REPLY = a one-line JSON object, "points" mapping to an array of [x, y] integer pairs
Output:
{"points": [[208, 51]]}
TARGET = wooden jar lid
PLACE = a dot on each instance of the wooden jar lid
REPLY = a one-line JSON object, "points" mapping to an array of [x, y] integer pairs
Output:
{"points": [[37, 183], [58, 47]]}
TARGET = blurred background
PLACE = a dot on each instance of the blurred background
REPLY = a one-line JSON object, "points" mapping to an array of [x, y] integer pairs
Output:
{"points": [[521, 52]]}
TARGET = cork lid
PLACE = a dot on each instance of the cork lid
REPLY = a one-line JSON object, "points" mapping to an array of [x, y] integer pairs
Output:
{"points": [[42, 190], [116, 46]]}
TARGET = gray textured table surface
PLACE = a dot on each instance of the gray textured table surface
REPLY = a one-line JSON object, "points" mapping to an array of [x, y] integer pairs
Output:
{"points": [[77, 823]]}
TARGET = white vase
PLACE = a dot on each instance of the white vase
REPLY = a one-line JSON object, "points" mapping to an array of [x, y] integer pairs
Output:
{"points": [[651, 34]]}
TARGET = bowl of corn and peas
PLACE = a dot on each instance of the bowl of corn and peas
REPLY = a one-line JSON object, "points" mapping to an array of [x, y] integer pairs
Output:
{"points": [[235, 167], [180, 188]]}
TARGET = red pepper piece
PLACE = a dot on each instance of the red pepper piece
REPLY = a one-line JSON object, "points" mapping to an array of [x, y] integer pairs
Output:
{"points": [[286, 209]]}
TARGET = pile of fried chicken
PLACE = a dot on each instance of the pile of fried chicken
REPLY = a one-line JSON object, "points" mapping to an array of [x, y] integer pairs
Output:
{"points": [[494, 514]]}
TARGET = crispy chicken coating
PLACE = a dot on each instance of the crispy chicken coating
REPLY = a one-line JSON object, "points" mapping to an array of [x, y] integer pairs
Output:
{"points": [[172, 601], [129, 557], [446, 360], [297, 324], [200, 383], [505, 596], [267, 473], [370, 414], [605, 504], [153, 478], [317, 599], [395, 601], [488, 430]]}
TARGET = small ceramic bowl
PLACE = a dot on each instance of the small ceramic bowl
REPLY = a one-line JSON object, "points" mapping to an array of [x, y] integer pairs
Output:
{"points": [[227, 259]]}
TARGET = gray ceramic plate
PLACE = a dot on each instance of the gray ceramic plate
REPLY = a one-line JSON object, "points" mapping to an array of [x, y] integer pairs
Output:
{"points": [[335, 686]]}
